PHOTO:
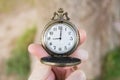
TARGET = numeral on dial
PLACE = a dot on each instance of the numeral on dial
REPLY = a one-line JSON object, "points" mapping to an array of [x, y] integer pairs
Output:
{"points": [[50, 43], [71, 38], [51, 33], [48, 38], [60, 27], [54, 29], [54, 47], [69, 33], [65, 29], [60, 49], [69, 43], [65, 47]]}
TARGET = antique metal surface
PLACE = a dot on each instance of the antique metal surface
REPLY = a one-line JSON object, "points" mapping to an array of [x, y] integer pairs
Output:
{"points": [[60, 61]]}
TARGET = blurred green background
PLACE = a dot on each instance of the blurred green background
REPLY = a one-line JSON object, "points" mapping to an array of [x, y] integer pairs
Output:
{"points": [[21, 23]]}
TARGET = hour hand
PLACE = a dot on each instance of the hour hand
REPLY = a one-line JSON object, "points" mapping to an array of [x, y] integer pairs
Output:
{"points": [[56, 38]]}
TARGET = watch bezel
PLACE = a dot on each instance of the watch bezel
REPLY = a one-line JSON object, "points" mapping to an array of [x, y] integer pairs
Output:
{"points": [[66, 53]]}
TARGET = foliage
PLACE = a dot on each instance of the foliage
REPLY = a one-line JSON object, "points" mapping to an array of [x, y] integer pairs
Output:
{"points": [[7, 6], [19, 62], [111, 65]]}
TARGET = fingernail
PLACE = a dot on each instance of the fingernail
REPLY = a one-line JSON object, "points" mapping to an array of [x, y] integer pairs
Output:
{"points": [[31, 48]]}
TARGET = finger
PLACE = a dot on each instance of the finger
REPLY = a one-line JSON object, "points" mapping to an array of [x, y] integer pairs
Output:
{"points": [[81, 54], [82, 34], [40, 72], [37, 50], [68, 72], [59, 72], [76, 75]]}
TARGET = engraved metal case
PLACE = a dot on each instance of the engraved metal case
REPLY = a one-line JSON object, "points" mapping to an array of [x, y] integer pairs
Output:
{"points": [[60, 17]]}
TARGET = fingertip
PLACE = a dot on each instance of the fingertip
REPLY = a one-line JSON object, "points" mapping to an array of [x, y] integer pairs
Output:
{"points": [[83, 35], [37, 50], [31, 48], [34, 48]]}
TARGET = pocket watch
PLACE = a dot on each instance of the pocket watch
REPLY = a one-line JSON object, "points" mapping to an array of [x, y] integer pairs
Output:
{"points": [[60, 38]]}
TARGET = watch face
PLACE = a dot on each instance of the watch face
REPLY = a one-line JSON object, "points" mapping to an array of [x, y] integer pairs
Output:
{"points": [[60, 38]]}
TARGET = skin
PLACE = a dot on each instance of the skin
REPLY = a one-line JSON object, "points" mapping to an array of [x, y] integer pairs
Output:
{"points": [[44, 72]]}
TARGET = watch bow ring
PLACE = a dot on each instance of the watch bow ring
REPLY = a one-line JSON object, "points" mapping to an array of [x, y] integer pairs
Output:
{"points": [[60, 38]]}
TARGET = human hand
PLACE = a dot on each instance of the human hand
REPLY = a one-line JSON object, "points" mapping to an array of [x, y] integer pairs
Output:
{"points": [[45, 72]]}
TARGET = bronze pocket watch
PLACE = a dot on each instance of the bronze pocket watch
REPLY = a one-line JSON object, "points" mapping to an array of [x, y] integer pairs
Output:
{"points": [[60, 39]]}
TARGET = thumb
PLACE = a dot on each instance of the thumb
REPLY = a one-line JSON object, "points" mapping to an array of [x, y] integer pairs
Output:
{"points": [[40, 72]]}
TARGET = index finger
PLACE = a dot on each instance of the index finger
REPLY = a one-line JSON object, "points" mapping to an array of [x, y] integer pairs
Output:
{"points": [[37, 50]]}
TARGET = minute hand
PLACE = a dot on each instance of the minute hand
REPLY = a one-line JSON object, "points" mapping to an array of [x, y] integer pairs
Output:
{"points": [[60, 34]]}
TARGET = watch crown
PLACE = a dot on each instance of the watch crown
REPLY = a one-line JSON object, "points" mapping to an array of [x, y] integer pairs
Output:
{"points": [[60, 15], [60, 10]]}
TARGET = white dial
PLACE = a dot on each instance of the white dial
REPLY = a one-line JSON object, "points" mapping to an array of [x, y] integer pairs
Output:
{"points": [[60, 38]]}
